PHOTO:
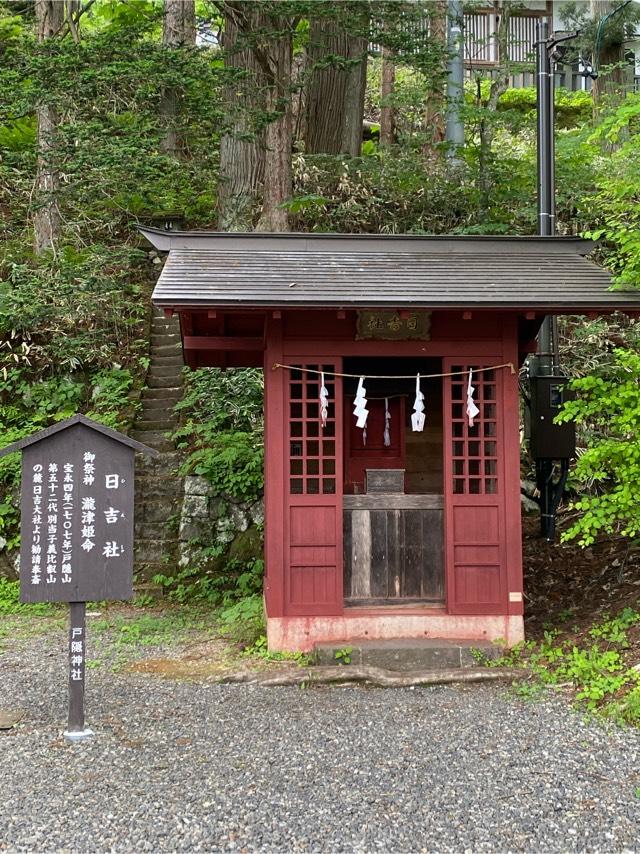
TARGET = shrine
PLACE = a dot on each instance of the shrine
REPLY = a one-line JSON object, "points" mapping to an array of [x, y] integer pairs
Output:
{"points": [[392, 420]]}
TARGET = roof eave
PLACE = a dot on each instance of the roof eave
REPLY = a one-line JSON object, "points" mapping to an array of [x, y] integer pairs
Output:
{"points": [[546, 308], [165, 241]]}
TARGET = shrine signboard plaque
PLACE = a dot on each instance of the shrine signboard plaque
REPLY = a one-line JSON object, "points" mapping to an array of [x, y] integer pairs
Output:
{"points": [[394, 325], [76, 528]]}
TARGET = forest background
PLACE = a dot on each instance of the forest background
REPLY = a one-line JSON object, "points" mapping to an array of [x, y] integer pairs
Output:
{"points": [[309, 116]]}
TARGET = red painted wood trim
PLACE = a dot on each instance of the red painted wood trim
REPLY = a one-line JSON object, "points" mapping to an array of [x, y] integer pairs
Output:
{"points": [[454, 502], [394, 611], [274, 441], [221, 342], [298, 502], [296, 348], [511, 468]]}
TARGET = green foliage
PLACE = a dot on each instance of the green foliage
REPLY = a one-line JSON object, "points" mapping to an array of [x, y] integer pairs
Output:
{"points": [[110, 396], [149, 629], [77, 311], [243, 621], [343, 656], [571, 108], [10, 601], [595, 673], [616, 205], [610, 407], [233, 461], [602, 679], [223, 430], [614, 629], [397, 191], [235, 581]]}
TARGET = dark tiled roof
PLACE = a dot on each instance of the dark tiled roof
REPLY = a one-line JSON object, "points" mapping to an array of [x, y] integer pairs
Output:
{"points": [[342, 271]]}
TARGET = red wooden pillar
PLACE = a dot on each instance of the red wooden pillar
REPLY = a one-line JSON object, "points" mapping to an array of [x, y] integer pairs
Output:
{"points": [[474, 460], [513, 511], [312, 479], [275, 414]]}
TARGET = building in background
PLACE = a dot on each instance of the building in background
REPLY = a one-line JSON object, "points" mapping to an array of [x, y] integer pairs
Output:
{"points": [[481, 46]]}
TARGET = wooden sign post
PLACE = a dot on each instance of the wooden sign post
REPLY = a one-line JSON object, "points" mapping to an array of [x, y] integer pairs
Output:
{"points": [[76, 529]]}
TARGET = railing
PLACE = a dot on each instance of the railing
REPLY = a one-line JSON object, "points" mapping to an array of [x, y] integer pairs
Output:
{"points": [[481, 42]]}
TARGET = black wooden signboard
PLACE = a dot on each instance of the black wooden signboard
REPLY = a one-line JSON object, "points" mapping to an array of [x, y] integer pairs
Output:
{"points": [[76, 528]]}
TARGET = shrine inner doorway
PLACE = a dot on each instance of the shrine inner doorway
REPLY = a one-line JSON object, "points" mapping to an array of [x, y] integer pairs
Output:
{"points": [[393, 503]]}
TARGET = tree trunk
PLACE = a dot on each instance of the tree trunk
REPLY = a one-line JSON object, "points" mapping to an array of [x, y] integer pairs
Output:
{"points": [[242, 147], [378, 676], [335, 97], [611, 81], [179, 23], [46, 213], [435, 114], [387, 110], [278, 134], [499, 85], [178, 30]]}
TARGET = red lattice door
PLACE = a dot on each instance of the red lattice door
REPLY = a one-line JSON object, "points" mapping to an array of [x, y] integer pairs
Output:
{"points": [[313, 492], [474, 493]]}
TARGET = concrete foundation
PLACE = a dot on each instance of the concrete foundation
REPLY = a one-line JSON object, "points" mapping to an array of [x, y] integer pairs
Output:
{"points": [[302, 634]]}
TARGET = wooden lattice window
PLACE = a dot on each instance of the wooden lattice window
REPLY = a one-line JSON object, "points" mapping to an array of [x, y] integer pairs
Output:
{"points": [[474, 450], [312, 447]]}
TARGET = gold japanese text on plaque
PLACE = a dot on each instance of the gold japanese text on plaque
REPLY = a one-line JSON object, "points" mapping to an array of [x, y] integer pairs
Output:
{"points": [[394, 326]]}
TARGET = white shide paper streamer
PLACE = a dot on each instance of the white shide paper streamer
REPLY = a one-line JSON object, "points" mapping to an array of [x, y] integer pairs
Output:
{"points": [[418, 418], [472, 409], [324, 401], [360, 405], [387, 423]]}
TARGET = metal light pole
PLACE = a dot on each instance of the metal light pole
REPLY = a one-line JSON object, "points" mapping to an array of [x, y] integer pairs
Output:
{"points": [[552, 466], [546, 356], [454, 132]]}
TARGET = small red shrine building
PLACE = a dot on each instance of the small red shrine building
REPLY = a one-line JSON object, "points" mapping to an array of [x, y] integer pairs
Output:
{"points": [[396, 532]]}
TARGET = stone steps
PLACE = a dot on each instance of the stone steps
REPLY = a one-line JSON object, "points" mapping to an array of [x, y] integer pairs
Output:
{"points": [[404, 654], [159, 486], [159, 339], [170, 393], [164, 382], [165, 350], [156, 424], [155, 440], [162, 370], [175, 361], [161, 404]]}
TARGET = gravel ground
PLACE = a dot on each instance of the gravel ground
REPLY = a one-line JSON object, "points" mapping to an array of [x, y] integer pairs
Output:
{"points": [[180, 766]]}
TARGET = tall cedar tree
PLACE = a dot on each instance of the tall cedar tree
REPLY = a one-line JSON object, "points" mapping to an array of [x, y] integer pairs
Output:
{"points": [[178, 31], [50, 15], [242, 146], [336, 90], [259, 38]]}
